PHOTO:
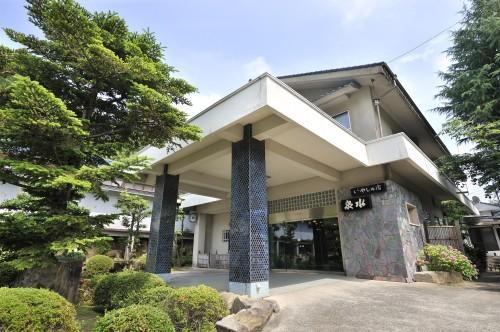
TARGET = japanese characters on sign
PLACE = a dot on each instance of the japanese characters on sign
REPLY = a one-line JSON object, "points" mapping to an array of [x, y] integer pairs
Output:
{"points": [[370, 189], [356, 203]]}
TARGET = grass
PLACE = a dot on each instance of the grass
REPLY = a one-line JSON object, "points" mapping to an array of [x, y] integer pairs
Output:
{"points": [[87, 317]]}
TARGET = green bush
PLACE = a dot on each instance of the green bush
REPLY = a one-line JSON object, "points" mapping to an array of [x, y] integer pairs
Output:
{"points": [[143, 318], [121, 289], [157, 296], [139, 263], [442, 258], [98, 264], [30, 309], [195, 308], [8, 274]]}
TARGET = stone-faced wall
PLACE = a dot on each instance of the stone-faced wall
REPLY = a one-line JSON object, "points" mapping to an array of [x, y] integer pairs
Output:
{"points": [[380, 243]]}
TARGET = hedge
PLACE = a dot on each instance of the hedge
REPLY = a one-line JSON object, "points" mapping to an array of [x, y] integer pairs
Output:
{"points": [[195, 308], [157, 296], [121, 289], [96, 265], [31, 309], [143, 318]]}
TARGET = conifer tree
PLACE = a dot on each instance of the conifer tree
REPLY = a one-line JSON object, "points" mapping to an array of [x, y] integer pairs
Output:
{"points": [[74, 106], [471, 94]]}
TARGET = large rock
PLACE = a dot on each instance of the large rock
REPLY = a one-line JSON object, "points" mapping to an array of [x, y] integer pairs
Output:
{"points": [[242, 302], [250, 319], [228, 298], [276, 306], [439, 277]]}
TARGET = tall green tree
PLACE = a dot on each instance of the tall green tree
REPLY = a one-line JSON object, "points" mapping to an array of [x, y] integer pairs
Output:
{"points": [[471, 94], [74, 105], [133, 211]]}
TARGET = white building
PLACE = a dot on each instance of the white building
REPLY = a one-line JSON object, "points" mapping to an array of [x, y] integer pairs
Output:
{"points": [[328, 170]]}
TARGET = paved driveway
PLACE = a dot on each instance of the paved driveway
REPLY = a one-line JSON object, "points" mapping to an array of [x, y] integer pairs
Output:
{"points": [[345, 304]]}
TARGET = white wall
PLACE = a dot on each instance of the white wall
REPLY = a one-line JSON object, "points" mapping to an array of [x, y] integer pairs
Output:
{"points": [[364, 121], [220, 222]]}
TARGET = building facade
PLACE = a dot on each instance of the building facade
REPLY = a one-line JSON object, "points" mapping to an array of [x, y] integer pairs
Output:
{"points": [[330, 170]]}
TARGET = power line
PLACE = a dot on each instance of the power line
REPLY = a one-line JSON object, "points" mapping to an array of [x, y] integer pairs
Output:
{"points": [[423, 43]]}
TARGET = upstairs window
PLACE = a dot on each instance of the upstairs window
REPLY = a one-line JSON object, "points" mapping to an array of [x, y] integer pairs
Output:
{"points": [[343, 119]]}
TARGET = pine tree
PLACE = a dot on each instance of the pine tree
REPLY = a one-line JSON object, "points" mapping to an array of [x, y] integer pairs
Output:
{"points": [[471, 94], [73, 108], [133, 211]]}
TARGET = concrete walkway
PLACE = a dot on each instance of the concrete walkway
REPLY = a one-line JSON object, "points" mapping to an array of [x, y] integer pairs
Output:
{"points": [[319, 301], [356, 305], [280, 281]]}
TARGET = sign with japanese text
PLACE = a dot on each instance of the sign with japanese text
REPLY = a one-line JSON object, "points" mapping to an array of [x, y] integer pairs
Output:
{"points": [[356, 203], [370, 189]]}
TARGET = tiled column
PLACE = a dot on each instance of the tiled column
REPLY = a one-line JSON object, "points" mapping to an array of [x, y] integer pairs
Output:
{"points": [[161, 236], [248, 244]]}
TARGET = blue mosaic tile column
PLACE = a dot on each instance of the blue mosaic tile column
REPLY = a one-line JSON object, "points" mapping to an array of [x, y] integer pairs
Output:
{"points": [[161, 236], [249, 243]]}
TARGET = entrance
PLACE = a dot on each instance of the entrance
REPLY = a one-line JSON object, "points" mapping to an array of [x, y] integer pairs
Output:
{"points": [[306, 245]]}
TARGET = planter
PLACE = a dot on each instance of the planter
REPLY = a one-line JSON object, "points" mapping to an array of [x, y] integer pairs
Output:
{"points": [[439, 277]]}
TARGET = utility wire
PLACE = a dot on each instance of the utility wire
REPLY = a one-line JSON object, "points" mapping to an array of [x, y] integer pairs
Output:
{"points": [[423, 43]]}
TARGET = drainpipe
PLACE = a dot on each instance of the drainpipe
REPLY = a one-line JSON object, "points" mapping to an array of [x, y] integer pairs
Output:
{"points": [[376, 102]]}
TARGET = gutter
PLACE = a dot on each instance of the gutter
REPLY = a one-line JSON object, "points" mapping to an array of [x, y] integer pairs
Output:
{"points": [[386, 71]]}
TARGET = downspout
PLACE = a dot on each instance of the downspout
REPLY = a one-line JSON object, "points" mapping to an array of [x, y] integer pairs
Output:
{"points": [[376, 104]]}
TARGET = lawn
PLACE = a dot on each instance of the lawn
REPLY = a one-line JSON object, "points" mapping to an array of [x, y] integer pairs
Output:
{"points": [[87, 317]]}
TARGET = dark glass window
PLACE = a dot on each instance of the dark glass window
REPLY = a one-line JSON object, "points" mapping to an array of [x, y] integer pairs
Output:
{"points": [[308, 245]]}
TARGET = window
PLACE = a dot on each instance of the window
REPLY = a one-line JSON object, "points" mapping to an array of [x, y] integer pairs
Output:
{"points": [[225, 235], [343, 119], [412, 214]]}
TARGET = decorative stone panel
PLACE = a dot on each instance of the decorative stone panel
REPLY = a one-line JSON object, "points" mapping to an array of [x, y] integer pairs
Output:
{"points": [[380, 243], [248, 246], [305, 201], [163, 216]]}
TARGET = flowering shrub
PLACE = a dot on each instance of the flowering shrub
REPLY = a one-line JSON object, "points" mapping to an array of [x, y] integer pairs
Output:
{"points": [[442, 258]]}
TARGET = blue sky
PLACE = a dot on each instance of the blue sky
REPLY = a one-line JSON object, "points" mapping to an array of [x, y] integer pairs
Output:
{"points": [[218, 45]]}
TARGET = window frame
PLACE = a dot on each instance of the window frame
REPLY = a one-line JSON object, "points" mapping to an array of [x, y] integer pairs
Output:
{"points": [[414, 212], [225, 235], [348, 119]]}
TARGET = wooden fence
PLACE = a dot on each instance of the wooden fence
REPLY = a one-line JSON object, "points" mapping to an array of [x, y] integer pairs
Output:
{"points": [[445, 235]]}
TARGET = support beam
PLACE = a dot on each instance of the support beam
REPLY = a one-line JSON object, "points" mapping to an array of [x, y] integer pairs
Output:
{"points": [[269, 127], [213, 151], [161, 237], [193, 189], [248, 245], [206, 181], [313, 166]]}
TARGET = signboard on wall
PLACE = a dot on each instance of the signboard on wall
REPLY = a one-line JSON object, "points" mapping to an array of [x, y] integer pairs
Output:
{"points": [[369, 189], [356, 203]]}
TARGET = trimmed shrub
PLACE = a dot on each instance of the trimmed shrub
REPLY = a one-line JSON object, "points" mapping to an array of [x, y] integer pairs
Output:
{"points": [[195, 308], [143, 318], [31, 309], [139, 263], [98, 264], [8, 274], [121, 289], [157, 296], [442, 258]]}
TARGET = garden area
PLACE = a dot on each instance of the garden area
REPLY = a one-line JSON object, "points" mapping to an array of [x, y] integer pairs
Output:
{"points": [[109, 300]]}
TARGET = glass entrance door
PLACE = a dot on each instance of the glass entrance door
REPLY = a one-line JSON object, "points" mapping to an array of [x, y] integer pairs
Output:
{"points": [[307, 245]]}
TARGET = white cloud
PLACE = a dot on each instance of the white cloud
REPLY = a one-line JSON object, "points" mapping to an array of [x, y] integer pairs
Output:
{"points": [[354, 11], [200, 102], [256, 67], [417, 56]]}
